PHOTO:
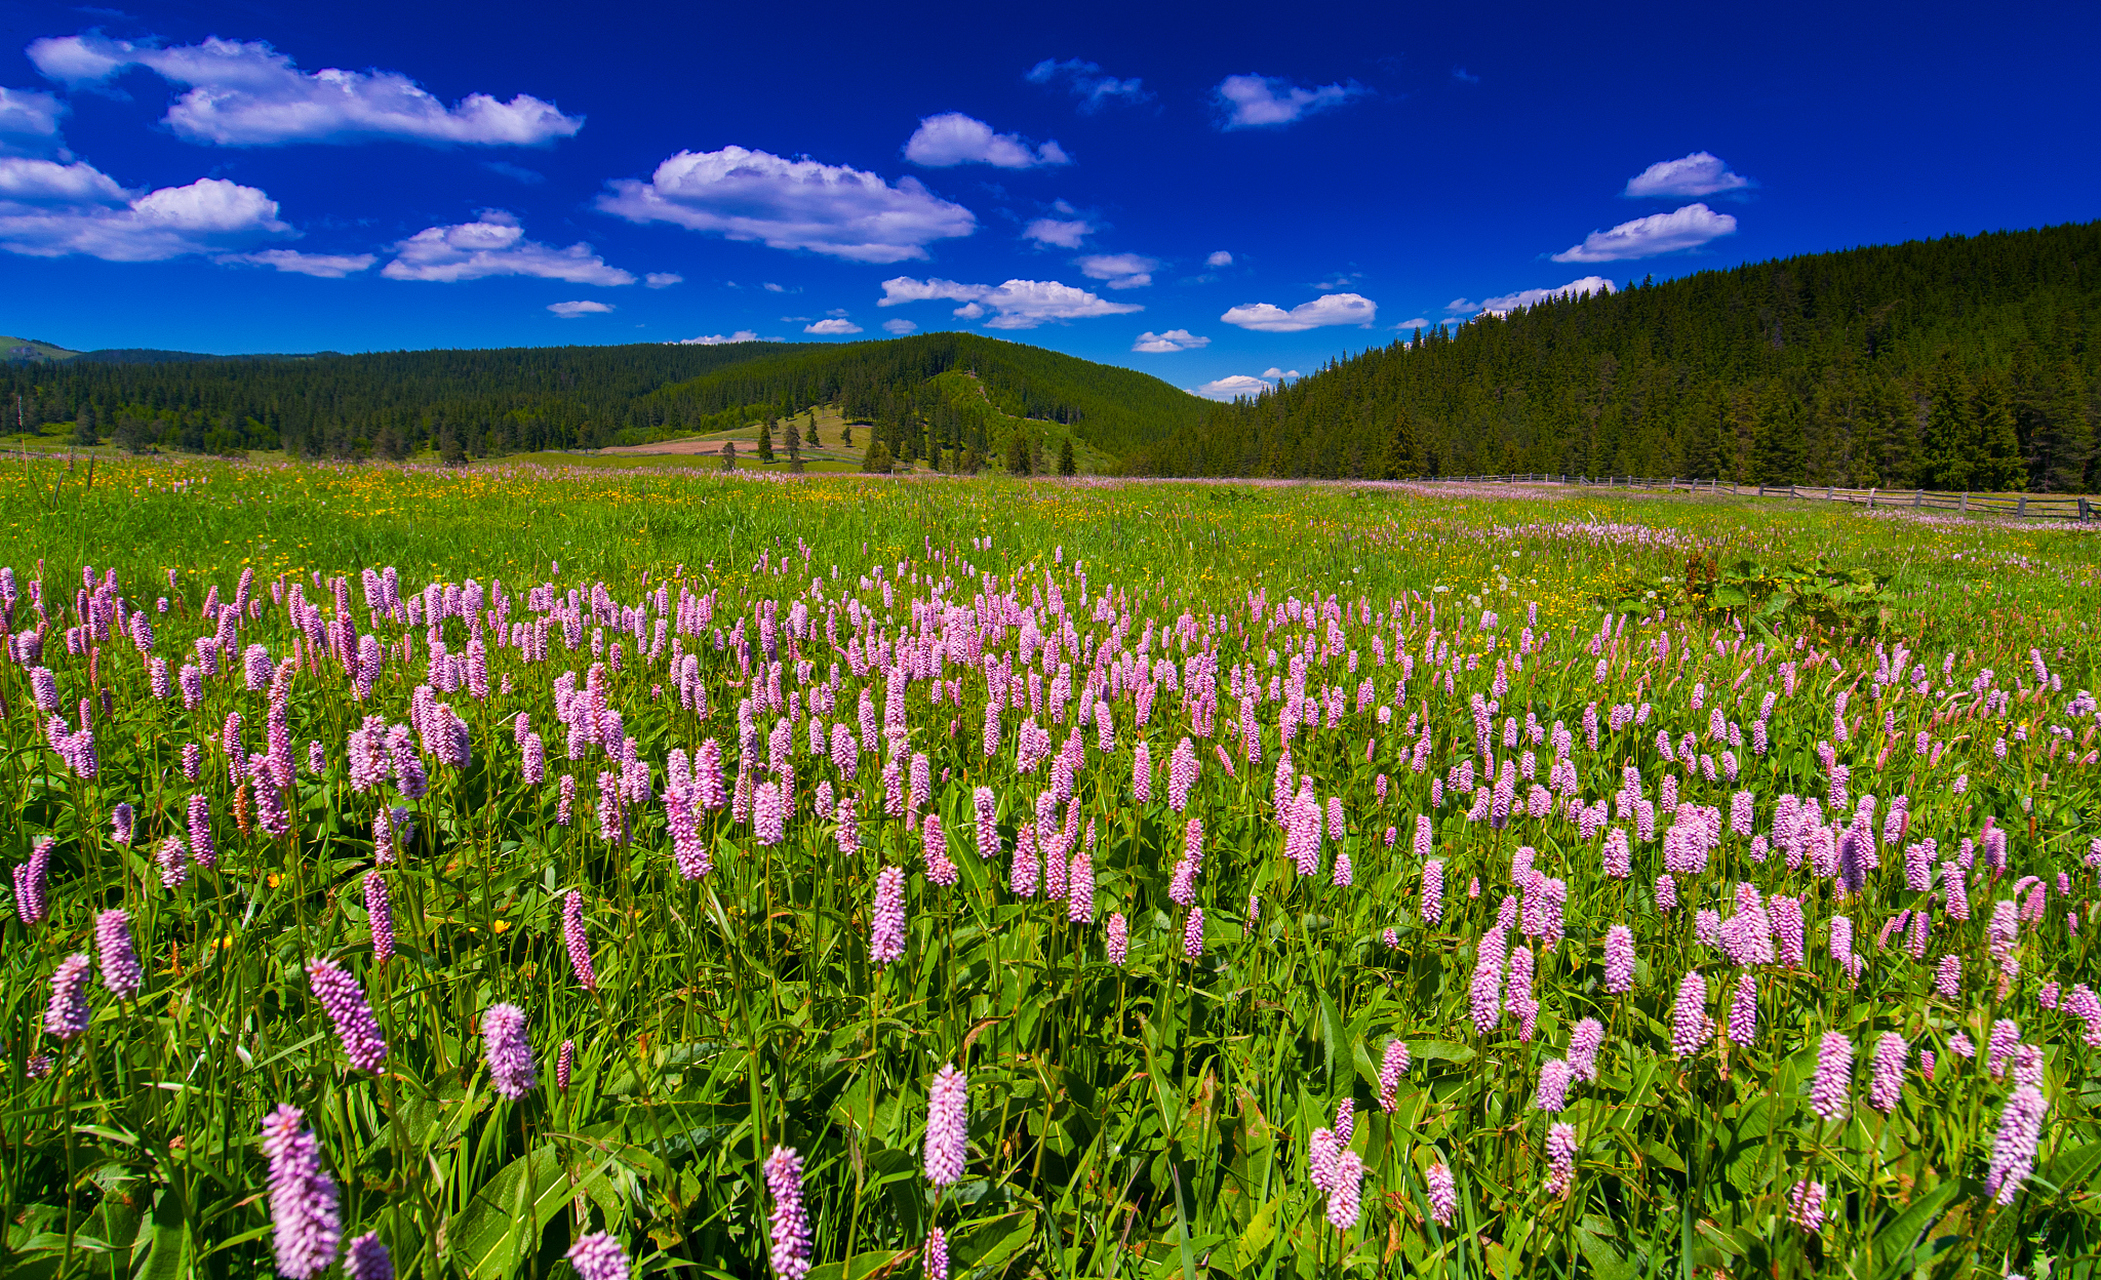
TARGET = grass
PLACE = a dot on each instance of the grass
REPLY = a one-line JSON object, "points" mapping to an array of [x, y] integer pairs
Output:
{"points": [[1153, 1116]]}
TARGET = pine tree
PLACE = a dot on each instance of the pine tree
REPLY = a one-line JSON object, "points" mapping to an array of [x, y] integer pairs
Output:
{"points": [[878, 459], [1703, 435], [1067, 465], [1017, 455], [1776, 438], [1997, 465], [729, 455], [811, 434], [2070, 447], [766, 440], [1946, 450]]}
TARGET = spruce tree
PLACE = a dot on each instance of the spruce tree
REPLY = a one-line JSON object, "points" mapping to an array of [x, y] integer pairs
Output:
{"points": [[1776, 439], [766, 440], [2071, 433], [1946, 449], [1997, 466], [1067, 465], [729, 455]]}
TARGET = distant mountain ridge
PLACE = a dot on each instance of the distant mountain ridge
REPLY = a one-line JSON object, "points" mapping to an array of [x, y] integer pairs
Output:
{"points": [[957, 391], [33, 350]]}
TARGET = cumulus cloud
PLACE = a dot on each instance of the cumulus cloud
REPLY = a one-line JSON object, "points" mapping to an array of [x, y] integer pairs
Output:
{"points": [[1059, 232], [899, 327], [1699, 174], [832, 327], [48, 181], [1409, 326], [1233, 387], [28, 119], [1504, 304], [1088, 82], [1120, 270], [791, 204], [1686, 228], [1017, 304], [953, 138], [324, 266], [1256, 102], [663, 279], [495, 245], [571, 310], [245, 93], [1328, 309], [719, 339], [52, 210], [1219, 259], [1173, 340], [1274, 372]]}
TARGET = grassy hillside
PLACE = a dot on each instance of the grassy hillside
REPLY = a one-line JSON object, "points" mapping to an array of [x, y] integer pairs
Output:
{"points": [[953, 390]]}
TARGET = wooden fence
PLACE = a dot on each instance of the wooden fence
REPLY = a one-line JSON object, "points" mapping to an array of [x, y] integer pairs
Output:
{"points": [[2026, 506]]}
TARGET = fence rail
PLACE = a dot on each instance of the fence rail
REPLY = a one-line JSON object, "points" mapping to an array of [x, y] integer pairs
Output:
{"points": [[2023, 506]]}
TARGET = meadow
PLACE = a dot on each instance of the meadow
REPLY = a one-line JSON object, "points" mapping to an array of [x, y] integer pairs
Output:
{"points": [[547, 871]]}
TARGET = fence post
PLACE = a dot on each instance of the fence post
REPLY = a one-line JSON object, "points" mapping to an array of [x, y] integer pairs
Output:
{"points": [[1918, 497], [2020, 506], [1966, 502], [1871, 499]]}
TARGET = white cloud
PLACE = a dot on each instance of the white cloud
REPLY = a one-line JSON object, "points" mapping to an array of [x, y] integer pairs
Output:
{"points": [[495, 245], [1017, 304], [50, 210], [29, 114], [791, 204], [1232, 388], [1686, 228], [831, 328], [1173, 340], [900, 327], [1409, 326], [1699, 174], [1329, 308], [1255, 102], [571, 310], [248, 94], [719, 339], [1219, 259], [663, 279], [1274, 372], [953, 138], [48, 181], [1509, 302], [324, 266], [1087, 82], [1121, 270], [1060, 233]]}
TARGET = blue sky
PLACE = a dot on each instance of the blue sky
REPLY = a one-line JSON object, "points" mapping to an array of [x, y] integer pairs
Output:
{"points": [[1214, 196]]}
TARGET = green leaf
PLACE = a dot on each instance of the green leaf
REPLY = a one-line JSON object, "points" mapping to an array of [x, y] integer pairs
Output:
{"points": [[2073, 1168], [1330, 1029], [861, 1265], [1444, 1049], [1895, 1243], [503, 1220], [1605, 1260]]}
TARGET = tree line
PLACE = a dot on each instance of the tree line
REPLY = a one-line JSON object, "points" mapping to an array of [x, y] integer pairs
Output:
{"points": [[1969, 362]]}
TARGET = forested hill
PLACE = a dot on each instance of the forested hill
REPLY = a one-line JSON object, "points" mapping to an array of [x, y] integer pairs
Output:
{"points": [[1961, 363], [392, 404], [897, 385]]}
